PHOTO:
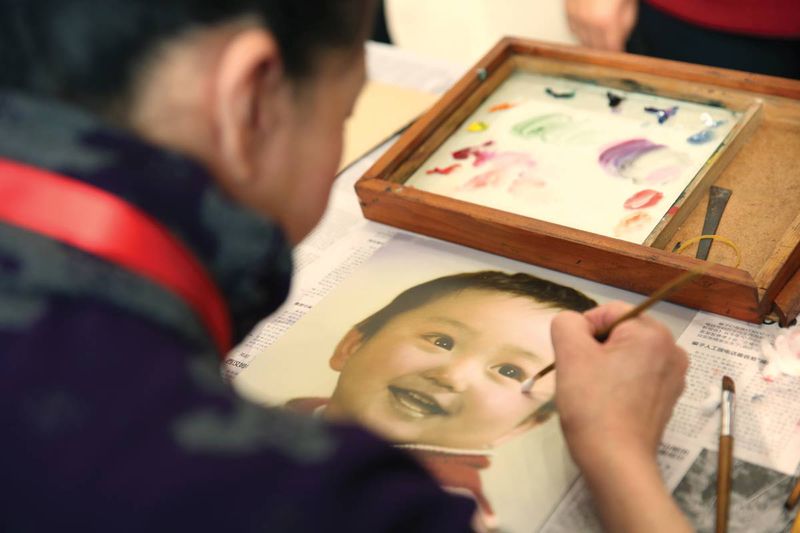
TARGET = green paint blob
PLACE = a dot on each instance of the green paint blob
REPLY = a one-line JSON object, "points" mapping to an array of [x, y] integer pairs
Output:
{"points": [[542, 126]]}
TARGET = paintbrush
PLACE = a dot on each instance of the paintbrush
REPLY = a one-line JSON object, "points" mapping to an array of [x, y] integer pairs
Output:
{"points": [[725, 459], [602, 335], [794, 496]]}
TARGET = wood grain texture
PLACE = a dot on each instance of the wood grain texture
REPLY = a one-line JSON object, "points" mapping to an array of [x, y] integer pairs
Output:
{"points": [[787, 302], [724, 290]]}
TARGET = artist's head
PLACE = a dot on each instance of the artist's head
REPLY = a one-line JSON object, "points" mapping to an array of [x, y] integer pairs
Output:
{"points": [[443, 363], [256, 90]]}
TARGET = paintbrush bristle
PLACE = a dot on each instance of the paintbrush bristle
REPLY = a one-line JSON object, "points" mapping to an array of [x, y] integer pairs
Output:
{"points": [[527, 385], [727, 384]]}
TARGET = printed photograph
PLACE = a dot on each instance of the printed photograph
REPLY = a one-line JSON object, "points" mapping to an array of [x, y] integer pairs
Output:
{"points": [[429, 347], [757, 496]]}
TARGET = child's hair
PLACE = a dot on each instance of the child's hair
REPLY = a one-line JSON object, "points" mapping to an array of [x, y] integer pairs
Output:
{"points": [[87, 51], [542, 291]]}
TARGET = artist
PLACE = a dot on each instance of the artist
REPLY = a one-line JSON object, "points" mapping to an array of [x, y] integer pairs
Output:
{"points": [[752, 35], [222, 121]]}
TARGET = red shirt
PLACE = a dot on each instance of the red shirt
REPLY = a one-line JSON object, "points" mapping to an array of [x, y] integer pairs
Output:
{"points": [[767, 18]]}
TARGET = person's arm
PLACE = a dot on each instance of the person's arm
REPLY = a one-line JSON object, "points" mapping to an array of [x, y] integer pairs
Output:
{"points": [[614, 400], [602, 24]]}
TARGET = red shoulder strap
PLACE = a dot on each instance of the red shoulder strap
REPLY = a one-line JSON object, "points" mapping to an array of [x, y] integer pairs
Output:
{"points": [[108, 227]]}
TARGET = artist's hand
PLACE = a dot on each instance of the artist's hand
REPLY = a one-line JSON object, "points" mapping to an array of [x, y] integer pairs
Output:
{"points": [[614, 400], [619, 393], [602, 24]]}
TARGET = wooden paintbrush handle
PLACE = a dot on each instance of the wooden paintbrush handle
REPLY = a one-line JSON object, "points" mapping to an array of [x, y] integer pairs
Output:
{"points": [[724, 482], [794, 496]]}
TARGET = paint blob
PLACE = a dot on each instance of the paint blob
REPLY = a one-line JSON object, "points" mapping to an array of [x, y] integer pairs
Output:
{"points": [[506, 166], [662, 114], [711, 122], [643, 161], [560, 94], [543, 126], [643, 199], [701, 137], [476, 127], [492, 178], [614, 100], [504, 106], [446, 171], [479, 152], [633, 223]]}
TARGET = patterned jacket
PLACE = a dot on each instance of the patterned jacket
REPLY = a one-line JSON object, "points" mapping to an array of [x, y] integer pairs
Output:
{"points": [[113, 415]]}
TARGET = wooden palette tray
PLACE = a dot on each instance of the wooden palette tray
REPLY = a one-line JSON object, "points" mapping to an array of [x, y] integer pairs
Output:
{"points": [[759, 161]]}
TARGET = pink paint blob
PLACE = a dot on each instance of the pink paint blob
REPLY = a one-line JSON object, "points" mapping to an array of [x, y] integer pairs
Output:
{"points": [[526, 187], [445, 171], [493, 178], [505, 166], [643, 199], [664, 174]]}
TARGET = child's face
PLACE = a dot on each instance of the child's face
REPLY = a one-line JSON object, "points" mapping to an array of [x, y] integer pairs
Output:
{"points": [[448, 373]]}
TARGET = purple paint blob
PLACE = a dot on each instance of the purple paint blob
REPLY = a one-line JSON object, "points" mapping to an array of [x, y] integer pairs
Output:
{"points": [[662, 114], [620, 156]]}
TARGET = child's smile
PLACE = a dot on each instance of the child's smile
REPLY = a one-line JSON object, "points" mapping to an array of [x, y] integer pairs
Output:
{"points": [[449, 373]]}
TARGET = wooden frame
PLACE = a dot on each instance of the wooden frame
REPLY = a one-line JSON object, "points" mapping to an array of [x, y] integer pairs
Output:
{"points": [[759, 161]]}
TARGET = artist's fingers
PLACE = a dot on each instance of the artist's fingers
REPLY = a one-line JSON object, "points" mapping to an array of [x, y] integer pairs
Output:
{"points": [[602, 24], [603, 316], [617, 34], [572, 335], [577, 21]]}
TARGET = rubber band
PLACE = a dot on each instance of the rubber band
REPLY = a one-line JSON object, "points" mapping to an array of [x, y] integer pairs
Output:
{"points": [[720, 238]]}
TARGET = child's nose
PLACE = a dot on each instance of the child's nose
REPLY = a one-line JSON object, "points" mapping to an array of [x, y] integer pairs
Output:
{"points": [[456, 375]]}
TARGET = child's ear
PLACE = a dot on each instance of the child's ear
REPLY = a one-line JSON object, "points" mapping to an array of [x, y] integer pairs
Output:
{"points": [[349, 344]]}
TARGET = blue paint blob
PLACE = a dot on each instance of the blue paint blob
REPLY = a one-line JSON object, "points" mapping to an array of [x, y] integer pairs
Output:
{"points": [[701, 137], [662, 114]]}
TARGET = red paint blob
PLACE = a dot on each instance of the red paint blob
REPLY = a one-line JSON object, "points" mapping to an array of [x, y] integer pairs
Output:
{"points": [[463, 153], [446, 170], [481, 156], [643, 199]]}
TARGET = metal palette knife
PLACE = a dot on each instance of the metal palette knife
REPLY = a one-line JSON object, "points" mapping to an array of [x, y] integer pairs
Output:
{"points": [[717, 200]]}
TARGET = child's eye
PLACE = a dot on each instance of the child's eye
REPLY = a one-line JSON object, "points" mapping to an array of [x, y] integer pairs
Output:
{"points": [[445, 342], [510, 371]]}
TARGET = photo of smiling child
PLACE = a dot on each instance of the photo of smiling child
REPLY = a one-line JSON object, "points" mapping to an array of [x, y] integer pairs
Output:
{"points": [[438, 370]]}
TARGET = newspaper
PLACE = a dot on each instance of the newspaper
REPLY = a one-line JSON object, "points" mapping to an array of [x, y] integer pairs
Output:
{"points": [[766, 435]]}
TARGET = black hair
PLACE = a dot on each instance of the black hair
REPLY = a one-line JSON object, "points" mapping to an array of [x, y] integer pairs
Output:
{"points": [[543, 291], [87, 51]]}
